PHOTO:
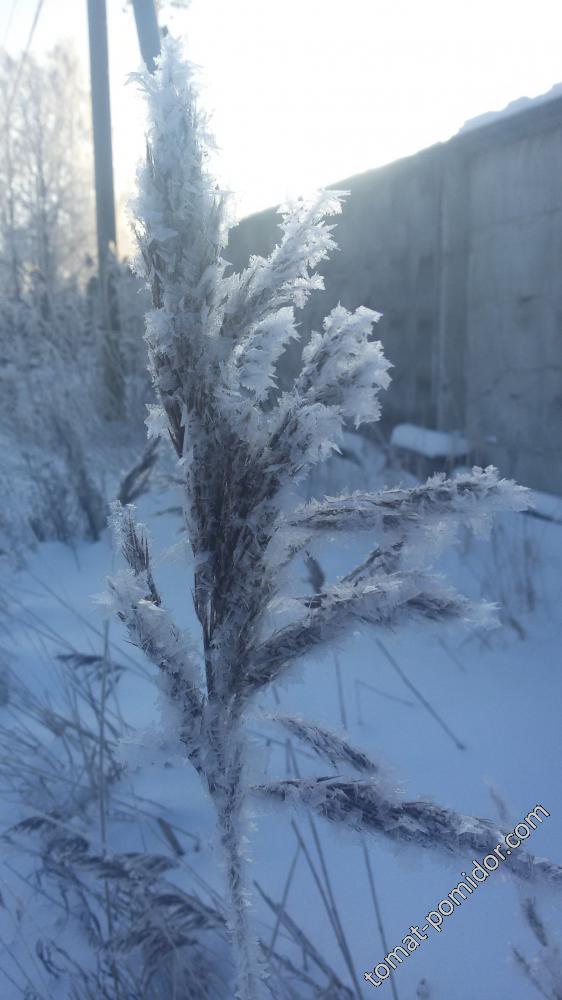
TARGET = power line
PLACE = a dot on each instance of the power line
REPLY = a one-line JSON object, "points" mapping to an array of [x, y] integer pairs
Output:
{"points": [[24, 56], [9, 24]]}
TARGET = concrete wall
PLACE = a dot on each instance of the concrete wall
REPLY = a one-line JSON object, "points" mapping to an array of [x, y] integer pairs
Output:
{"points": [[514, 307], [460, 246], [387, 260]]}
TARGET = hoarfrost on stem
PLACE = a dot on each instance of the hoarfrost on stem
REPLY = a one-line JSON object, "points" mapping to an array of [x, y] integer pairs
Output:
{"points": [[214, 341]]}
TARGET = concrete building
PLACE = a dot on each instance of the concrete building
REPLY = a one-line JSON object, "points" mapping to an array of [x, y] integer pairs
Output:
{"points": [[460, 246]]}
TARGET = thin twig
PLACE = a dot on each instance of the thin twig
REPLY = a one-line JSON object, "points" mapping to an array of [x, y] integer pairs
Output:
{"points": [[378, 913], [284, 898], [343, 715], [423, 701]]}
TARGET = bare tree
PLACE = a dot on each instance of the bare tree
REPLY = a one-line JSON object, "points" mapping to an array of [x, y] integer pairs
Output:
{"points": [[46, 200]]}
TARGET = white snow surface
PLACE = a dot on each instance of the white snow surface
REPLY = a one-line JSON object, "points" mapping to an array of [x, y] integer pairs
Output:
{"points": [[547, 505], [513, 108], [500, 694], [430, 443]]}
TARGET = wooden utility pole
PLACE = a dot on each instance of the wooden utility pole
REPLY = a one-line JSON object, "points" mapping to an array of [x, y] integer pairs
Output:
{"points": [[148, 32], [149, 41], [101, 119], [114, 402]]}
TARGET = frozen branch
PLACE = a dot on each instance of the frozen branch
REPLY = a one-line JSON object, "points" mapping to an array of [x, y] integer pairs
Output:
{"points": [[362, 806], [327, 745], [433, 512], [469, 497], [138, 605], [286, 277], [381, 602]]}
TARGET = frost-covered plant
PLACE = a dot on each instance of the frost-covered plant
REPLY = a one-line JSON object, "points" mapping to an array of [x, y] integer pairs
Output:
{"points": [[544, 970], [56, 451], [214, 340], [96, 922]]}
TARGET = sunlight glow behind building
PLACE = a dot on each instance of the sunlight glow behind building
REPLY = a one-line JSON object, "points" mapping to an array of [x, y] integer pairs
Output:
{"points": [[304, 92]]}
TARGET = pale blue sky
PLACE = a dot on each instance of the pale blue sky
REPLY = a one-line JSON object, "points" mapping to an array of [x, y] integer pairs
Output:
{"points": [[306, 92]]}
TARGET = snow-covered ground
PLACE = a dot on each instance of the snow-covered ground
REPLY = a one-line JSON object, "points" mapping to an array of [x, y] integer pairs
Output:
{"points": [[497, 695]]}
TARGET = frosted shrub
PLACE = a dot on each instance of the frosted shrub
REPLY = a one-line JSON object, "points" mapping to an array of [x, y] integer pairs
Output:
{"points": [[213, 341]]}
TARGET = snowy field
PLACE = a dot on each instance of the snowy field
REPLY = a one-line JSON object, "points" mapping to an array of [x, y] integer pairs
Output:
{"points": [[257, 744], [471, 721]]}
